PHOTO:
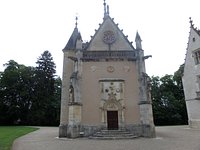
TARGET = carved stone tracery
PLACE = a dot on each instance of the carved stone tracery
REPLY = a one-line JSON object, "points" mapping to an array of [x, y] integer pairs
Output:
{"points": [[113, 101]]}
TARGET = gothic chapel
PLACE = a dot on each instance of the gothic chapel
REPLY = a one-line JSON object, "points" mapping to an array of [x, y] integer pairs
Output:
{"points": [[105, 85]]}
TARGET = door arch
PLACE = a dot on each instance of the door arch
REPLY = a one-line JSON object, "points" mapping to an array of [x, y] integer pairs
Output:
{"points": [[112, 120], [113, 113]]}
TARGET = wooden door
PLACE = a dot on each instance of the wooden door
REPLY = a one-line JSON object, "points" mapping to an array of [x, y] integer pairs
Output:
{"points": [[112, 120]]}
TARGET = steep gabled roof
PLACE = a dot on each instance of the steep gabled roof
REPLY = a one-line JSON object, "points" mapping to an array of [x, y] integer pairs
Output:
{"points": [[111, 20], [71, 44]]}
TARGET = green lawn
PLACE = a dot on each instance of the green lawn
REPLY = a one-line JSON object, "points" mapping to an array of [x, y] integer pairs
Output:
{"points": [[9, 133]]}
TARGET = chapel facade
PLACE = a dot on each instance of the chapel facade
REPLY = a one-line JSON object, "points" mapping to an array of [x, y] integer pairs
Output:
{"points": [[191, 77], [105, 85]]}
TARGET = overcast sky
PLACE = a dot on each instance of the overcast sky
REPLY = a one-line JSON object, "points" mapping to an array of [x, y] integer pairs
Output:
{"points": [[29, 27]]}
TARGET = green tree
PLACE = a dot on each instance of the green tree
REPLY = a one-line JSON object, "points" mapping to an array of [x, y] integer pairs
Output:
{"points": [[56, 101], [157, 105], [15, 93], [30, 95], [43, 107], [168, 99], [179, 93]]}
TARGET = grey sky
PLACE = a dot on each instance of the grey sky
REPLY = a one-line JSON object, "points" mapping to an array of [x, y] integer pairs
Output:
{"points": [[29, 27]]}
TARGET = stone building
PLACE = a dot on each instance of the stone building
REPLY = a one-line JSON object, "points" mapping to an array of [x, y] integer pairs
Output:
{"points": [[191, 77], [105, 85]]}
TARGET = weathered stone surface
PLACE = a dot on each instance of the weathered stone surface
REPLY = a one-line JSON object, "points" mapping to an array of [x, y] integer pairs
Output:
{"points": [[62, 131], [105, 85], [191, 78]]}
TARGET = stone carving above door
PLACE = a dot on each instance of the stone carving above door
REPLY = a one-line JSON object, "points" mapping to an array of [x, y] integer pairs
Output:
{"points": [[110, 69], [93, 68], [112, 99], [110, 88]]}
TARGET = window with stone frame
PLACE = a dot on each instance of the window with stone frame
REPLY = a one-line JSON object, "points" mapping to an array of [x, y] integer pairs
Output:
{"points": [[197, 56], [198, 82], [198, 86]]}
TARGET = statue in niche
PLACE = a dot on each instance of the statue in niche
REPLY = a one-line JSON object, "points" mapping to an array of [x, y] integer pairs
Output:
{"points": [[146, 81], [71, 94], [148, 89]]}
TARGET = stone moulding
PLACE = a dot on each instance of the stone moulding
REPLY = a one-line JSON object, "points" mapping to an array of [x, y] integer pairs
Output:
{"points": [[108, 55], [144, 102], [111, 80], [75, 103]]}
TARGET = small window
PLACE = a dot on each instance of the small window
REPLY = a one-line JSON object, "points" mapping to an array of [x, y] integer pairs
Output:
{"points": [[193, 39], [198, 81], [197, 57], [198, 87]]}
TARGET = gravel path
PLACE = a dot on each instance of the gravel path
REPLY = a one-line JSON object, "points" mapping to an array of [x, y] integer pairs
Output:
{"points": [[168, 138]]}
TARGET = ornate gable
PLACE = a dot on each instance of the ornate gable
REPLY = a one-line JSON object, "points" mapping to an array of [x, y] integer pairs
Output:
{"points": [[194, 39], [109, 38]]}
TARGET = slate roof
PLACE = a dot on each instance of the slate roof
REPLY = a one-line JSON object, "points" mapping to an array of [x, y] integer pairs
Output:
{"points": [[71, 44], [137, 37]]}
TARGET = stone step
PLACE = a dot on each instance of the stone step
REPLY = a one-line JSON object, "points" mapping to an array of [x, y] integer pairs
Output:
{"points": [[123, 136], [124, 133], [112, 138], [112, 135]]}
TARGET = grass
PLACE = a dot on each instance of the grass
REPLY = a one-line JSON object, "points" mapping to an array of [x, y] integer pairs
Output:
{"points": [[9, 133]]}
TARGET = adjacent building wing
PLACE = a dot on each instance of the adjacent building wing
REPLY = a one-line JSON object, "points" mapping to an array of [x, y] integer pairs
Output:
{"points": [[191, 77]]}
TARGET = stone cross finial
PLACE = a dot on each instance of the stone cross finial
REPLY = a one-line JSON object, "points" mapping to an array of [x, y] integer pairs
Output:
{"points": [[108, 9], [76, 22], [104, 7], [191, 22]]}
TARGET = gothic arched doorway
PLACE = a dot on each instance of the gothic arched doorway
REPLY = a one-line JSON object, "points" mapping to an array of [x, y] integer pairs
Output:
{"points": [[112, 120], [113, 112], [112, 104]]}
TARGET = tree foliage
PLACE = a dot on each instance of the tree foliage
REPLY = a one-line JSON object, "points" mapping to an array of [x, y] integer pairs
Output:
{"points": [[30, 95], [168, 99], [44, 90], [15, 92]]}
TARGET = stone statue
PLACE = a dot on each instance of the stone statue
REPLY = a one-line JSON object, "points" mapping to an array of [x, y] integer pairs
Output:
{"points": [[71, 94]]}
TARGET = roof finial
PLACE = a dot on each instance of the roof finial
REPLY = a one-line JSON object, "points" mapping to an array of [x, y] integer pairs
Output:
{"points": [[104, 8], [108, 9], [76, 22], [138, 41], [191, 22]]}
